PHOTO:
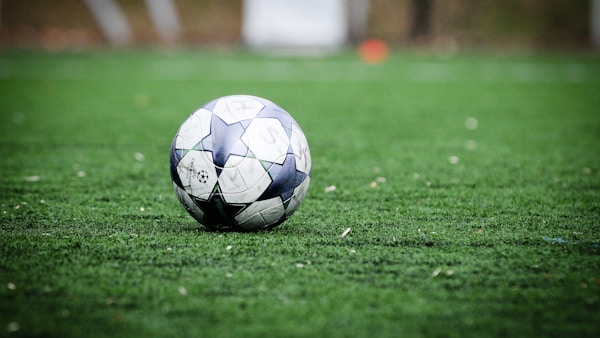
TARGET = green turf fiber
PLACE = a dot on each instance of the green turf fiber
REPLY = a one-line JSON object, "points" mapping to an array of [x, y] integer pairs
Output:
{"points": [[455, 230]]}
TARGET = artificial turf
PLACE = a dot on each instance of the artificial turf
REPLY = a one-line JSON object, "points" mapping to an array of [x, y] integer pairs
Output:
{"points": [[449, 197]]}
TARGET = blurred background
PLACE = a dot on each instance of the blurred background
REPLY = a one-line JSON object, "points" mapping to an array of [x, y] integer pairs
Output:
{"points": [[74, 25]]}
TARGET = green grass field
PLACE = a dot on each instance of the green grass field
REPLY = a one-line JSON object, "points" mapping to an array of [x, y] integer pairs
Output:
{"points": [[470, 185]]}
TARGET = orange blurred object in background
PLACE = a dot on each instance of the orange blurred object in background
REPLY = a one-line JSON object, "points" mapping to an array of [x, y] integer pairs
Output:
{"points": [[373, 50]]}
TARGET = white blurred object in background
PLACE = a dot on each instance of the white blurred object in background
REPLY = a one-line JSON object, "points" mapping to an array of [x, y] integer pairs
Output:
{"points": [[295, 25], [111, 21], [165, 19]]}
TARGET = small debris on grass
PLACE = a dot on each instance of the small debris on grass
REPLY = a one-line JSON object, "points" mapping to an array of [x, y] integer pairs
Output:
{"points": [[11, 286], [229, 247], [436, 272], [81, 173], [480, 231], [346, 232], [557, 240], [330, 188], [587, 170], [34, 178], [453, 159], [471, 123], [299, 265], [183, 291], [373, 184], [139, 156], [13, 327]]}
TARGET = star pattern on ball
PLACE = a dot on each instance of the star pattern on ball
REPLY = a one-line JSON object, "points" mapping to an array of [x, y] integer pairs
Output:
{"points": [[227, 143], [240, 163], [284, 179], [278, 113]]}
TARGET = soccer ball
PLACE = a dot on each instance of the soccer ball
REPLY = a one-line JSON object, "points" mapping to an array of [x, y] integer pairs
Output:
{"points": [[240, 163]]}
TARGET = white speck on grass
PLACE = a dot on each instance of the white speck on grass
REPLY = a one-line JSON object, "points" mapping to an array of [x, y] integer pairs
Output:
{"points": [[299, 265], [33, 178], [330, 188], [183, 291], [13, 327], [229, 247], [453, 159], [346, 232], [471, 123], [11, 286], [436, 272], [139, 156], [416, 176], [81, 173]]}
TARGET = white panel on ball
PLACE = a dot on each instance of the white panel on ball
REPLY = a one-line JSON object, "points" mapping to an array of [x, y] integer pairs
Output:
{"points": [[197, 173], [300, 147], [188, 203], [298, 196], [261, 213], [236, 108], [194, 129], [267, 140], [245, 182]]}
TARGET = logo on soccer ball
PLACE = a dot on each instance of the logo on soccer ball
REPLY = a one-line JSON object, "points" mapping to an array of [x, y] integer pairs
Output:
{"points": [[251, 162], [203, 176]]}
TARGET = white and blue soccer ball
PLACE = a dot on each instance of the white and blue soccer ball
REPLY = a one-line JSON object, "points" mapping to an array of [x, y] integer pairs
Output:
{"points": [[240, 163]]}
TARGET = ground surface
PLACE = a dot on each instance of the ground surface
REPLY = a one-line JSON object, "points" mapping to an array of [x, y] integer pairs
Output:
{"points": [[470, 185]]}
